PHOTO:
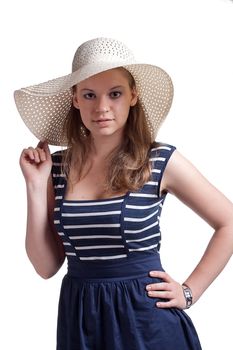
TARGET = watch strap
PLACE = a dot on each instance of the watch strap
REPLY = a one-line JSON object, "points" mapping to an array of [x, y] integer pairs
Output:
{"points": [[188, 295]]}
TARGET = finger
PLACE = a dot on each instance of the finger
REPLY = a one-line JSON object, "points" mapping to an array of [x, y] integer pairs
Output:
{"points": [[47, 150], [41, 154], [34, 154], [28, 153], [41, 144], [161, 274], [160, 294], [166, 304], [158, 286], [44, 145]]}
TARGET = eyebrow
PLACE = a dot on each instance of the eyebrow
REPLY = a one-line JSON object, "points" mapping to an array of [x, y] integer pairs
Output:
{"points": [[113, 88], [117, 87]]}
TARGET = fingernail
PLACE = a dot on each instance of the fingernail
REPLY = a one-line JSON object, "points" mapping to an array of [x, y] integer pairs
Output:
{"points": [[148, 287], [152, 273]]}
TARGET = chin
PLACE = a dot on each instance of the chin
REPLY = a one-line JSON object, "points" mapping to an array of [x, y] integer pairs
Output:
{"points": [[106, 132]]}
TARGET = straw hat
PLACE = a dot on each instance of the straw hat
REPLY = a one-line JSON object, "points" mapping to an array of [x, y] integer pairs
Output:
{"points": [[44, 107]]}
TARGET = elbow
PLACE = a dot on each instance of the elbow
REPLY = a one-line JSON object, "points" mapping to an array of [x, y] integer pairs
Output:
{"points": [[45, 271], [46, 274], [46, 268]]}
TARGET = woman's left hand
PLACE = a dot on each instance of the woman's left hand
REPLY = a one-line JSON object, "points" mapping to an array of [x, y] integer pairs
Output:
{"points": [[168, 289]]}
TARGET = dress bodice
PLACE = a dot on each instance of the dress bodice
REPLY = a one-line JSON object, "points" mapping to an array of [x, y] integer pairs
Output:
{"points": [[114, 228]]}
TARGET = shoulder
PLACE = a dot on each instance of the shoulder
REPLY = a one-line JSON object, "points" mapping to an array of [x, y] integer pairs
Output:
{"points": [[180, 173], [57, 156], [57, 166], [160, 154], [58, 159], [187, 183], [161, 149]]}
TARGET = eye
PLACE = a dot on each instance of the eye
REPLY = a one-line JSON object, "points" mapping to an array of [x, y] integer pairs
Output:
{"points": [[115, 94], [89, 96]]}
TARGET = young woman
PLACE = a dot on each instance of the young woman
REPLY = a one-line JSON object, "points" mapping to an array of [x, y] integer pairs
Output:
{"points": [[98, 202]]}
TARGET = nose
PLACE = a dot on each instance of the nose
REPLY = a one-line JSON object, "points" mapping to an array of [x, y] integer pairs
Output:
{"points": [[102, 105]]}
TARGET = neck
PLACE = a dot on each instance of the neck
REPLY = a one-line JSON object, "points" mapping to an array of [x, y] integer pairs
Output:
{"points": [[103, 146]]}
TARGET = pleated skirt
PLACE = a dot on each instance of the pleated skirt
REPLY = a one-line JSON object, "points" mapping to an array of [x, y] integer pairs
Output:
{"points": [[105, 306]]}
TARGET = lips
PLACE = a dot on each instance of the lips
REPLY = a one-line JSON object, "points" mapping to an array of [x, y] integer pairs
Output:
{"points": [[103, 123], [103, 120]]}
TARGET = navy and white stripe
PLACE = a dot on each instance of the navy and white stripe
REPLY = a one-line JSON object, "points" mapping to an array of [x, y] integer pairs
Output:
{"points": [[113, 228]]}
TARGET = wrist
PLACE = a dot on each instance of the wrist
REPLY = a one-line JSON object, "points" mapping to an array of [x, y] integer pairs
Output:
{"points": [[36, 193], [36, 186], [188, 295]]}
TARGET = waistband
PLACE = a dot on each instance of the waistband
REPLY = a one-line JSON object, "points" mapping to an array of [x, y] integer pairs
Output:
{"points": [[123, 268]]}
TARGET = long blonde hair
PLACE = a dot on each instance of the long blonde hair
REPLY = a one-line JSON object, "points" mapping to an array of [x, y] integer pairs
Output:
{"points": [[128, 165]]}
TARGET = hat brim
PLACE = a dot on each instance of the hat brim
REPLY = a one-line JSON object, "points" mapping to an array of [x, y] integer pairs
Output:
{"points": [[44, 107]]}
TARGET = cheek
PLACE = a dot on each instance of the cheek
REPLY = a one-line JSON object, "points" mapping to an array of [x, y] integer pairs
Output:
{"points": [[84, 116], [124, 110], [85, 110]]}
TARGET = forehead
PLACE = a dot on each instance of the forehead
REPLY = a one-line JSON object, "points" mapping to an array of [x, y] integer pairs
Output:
{"points": [[115, 77]]}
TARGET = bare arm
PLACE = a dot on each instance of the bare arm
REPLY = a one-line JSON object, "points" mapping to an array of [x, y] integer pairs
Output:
{"points": [[43, 245], [183, 180]]}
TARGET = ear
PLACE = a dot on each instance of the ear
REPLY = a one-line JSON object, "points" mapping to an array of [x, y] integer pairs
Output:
{"points": [[75, 101], [134, 99]]}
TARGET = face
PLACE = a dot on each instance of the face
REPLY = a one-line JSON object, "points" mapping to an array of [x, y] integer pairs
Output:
{"points": [[104, 101]]}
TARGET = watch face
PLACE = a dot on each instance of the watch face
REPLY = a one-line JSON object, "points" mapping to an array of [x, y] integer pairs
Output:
{"points": [[188, 297]]}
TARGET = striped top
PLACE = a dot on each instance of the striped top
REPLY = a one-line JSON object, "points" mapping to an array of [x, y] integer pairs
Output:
{"points": [[113, 228]]}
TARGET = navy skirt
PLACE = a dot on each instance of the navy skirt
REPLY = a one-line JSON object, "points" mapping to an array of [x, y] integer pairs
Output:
{"points": [[105, 306]]}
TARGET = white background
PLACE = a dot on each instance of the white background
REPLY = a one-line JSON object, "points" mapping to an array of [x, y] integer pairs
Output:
{"points": [[192, 41]]}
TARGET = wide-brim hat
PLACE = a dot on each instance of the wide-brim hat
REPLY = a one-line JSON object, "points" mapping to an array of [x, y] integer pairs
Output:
{"points": [[44, 107]]}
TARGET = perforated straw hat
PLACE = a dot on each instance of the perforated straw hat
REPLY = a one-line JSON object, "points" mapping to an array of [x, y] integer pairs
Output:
{"points": [[44, 107]]}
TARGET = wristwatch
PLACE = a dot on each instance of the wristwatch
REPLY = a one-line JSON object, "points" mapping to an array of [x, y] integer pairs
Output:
{"points": [[188, 296]]}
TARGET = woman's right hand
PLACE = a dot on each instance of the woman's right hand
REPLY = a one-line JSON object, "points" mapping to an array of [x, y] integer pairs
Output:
{"points": [[36, 164]]}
